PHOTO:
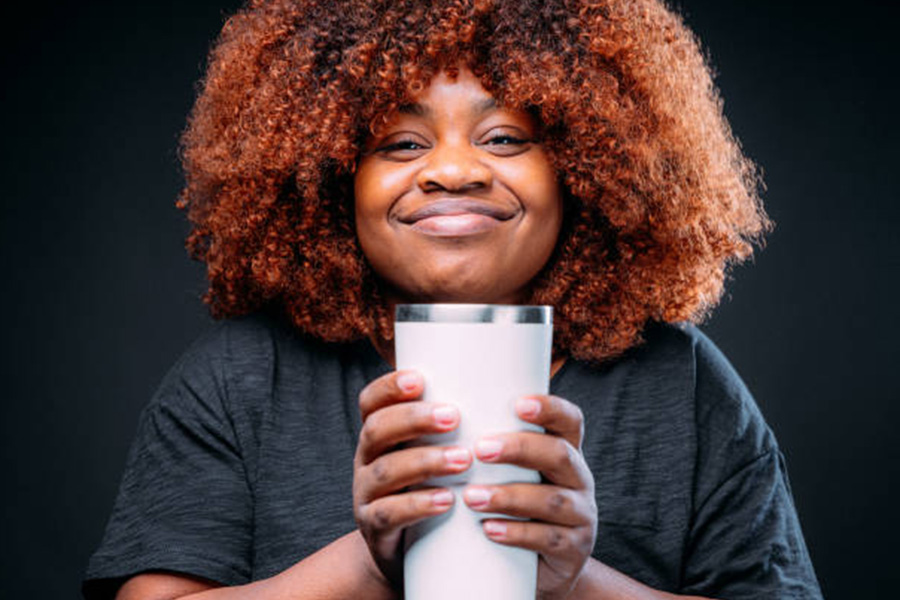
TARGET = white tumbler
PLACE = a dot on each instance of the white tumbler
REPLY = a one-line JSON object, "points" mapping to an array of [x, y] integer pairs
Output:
{"points": [[480, 358]]}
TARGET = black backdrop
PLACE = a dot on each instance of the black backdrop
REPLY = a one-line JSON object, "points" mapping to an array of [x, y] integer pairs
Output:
{"points": [[99, 297]]}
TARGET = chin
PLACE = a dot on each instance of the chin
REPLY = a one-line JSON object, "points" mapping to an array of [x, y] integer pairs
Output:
{"points": [[467, 294]]}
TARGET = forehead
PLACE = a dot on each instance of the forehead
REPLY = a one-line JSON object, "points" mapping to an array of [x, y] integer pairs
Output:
{"points": [[426, 107], [458, 97], [462, 89]]}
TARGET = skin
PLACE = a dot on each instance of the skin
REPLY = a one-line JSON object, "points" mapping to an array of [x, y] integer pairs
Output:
{"points": [[496, 221], [450, 157]]}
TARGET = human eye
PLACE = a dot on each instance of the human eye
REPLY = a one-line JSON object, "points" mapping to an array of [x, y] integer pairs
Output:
{"points": [[507, 140], [401, 148], [504, 143]]}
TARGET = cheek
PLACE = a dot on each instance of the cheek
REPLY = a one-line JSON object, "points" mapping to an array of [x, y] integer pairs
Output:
{"points": [[366, 190], [541, 195], [535, 183], [377, 186], [365, 203]]}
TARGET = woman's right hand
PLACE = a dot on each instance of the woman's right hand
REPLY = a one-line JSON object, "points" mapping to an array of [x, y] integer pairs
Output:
{"points": [[392, 414]]}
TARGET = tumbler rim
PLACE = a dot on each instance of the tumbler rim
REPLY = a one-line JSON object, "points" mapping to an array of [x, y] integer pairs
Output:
{"points": [[473, 313]]}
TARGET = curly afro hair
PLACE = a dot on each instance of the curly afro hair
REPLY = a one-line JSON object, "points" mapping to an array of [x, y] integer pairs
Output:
{"points": [[660, 200]]}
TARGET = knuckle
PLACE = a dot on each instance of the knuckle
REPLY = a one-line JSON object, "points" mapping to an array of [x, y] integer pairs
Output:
{"points": [[417, 503], [373, 395], [577, 414], [381, 472], [381, 518], [422, 415], [558, 502], [429, 461], [562, 455], [367, 435], [502, 498], [364, 400], [584, 538], [574, 455], [358, 491], [515, 448], [517, 533], [370, 395], [375, 422], [556, 541]]}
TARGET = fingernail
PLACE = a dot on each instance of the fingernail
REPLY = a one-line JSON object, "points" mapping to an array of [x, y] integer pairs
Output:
{"points": [[528, 407], [445, 416], [409, 381], [488, 449], [477, 497], [495, 529], [442, 498], [456, 457]]}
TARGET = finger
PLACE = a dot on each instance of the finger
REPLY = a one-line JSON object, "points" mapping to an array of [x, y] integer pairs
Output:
{"points": [[547, 503], [394, 471], [557, 415], [392, 513], [551, 541], [392, 425], [399, 386], [556, 459]]}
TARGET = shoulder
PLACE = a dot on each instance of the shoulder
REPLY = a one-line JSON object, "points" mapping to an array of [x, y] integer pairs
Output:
{"points": [[721, 398], [680, 361], [247, 344], [728, 432], [731, 434], [685, 342], [727, 415], [250, 337], [237, 360], [680, 349]]}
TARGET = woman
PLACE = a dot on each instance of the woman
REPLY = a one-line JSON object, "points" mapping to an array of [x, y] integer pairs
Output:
{"points": [[346, 156]]}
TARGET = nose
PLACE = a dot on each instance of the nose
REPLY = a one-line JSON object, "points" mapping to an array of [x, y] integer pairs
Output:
{"points": [[453, 167]]}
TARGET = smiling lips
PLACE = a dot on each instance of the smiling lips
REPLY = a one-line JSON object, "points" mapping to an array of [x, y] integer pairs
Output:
{"points": [[457, 217]]}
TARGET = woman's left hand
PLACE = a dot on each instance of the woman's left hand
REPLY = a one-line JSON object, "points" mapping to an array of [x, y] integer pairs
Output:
{"points": [[562, 509]]}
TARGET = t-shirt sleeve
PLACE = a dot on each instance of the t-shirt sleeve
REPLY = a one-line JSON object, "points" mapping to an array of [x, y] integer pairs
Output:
{"points": [[184, 503], [745, 539]]}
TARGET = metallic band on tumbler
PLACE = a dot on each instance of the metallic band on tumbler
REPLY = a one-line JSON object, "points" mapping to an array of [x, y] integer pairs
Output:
{"points": [[472, 313]]}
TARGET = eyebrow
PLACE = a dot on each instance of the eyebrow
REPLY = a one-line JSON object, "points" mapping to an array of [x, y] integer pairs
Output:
{"points": [[420, 110]]}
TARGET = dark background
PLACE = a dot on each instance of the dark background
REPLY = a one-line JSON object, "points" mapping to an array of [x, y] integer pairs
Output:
{"points": [[99, 297]]}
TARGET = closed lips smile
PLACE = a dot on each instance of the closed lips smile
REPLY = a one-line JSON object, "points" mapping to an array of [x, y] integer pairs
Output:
{"points": [[455, 218]]}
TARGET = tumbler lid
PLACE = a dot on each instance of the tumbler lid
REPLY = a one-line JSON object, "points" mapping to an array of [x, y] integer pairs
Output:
{"points": [[472, 313]]}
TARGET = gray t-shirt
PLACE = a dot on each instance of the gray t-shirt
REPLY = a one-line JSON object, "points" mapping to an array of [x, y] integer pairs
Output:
{"points": [[242, 465]]}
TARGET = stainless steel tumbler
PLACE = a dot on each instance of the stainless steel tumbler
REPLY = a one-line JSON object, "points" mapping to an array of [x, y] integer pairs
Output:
{"points": [[480, 358]]}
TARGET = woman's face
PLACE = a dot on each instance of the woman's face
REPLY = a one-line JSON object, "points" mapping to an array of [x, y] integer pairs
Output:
{"points": [[454, 201]]}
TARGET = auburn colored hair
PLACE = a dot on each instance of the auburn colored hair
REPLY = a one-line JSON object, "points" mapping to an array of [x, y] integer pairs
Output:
{"points": [[659, 199]]}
